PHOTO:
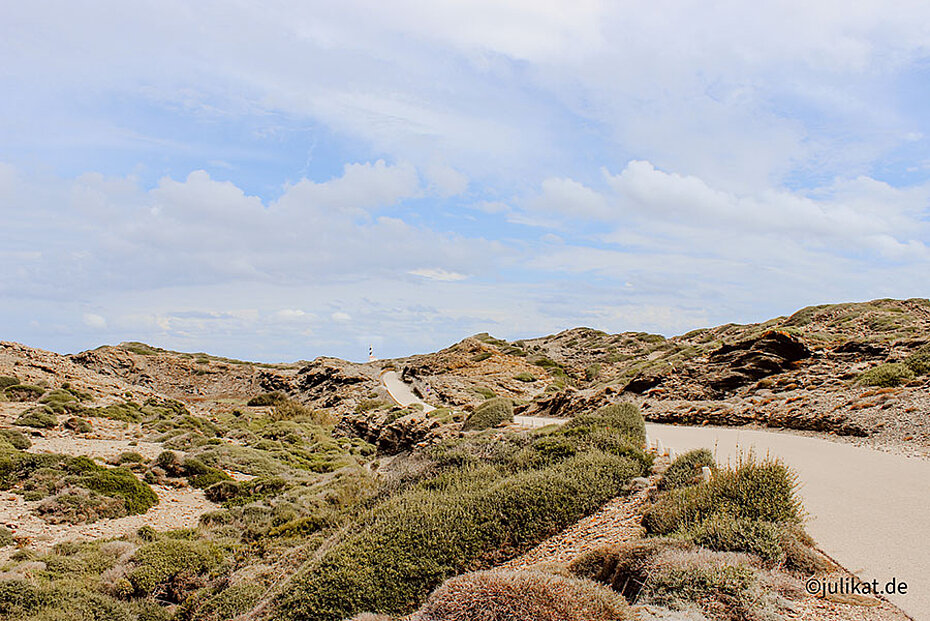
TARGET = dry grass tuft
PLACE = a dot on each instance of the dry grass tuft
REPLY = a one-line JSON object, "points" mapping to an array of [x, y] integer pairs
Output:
{"points": [[522, 596]]}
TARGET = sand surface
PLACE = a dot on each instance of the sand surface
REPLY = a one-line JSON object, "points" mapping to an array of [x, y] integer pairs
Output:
{"points": [[869, 510]]}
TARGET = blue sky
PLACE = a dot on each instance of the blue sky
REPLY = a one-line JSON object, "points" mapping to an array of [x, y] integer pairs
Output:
{"points": [[282, 180]]}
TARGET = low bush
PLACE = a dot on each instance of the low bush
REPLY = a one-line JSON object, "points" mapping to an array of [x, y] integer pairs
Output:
{"points": [[730, 534], [489, 414], [755, 490], [919, 361], [522, 596], [7, 381], [75, 505], [713, 580], [619, 419], [266, 399], [61, 402], [127, 411], [411, 542], [39, 417], [170, 463], [222, 491], [78, 424], [301, 527], [678, 575], [685, 468], [6, 537], [164, 568], [230, 603], [525, 377], [129, 457], [15, 438], [366, 405], [886, 375], [479, 357], [18, 597], [201, 475], [121, 483], [23, 392], [592, 371]]}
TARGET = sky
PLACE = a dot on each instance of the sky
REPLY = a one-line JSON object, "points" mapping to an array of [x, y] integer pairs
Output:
{"points": [[280, 180]]}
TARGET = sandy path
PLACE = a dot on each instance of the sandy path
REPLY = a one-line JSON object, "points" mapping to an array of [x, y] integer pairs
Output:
{"points": [[404, 396], [401, 392], [869, 510], [535, 422]]}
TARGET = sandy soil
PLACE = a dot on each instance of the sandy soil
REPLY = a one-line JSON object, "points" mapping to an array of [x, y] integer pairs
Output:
{"points": [[867, 509], [177, 508]]}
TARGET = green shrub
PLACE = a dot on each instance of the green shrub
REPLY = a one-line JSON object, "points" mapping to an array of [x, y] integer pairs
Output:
{"points": [[6, 537], [753, 490], [886, 375], [15, 438], [555, 447], [23, 392], [619, 419], [39, 417], [301, 527], [266, 399], [75, 505], [222, 491], [130, 457], [170, 463], [121, 483], [525, 377], [200, 475], [484, 392], [697, 578], [61, 402], [18, 597], [230, 603], [156, 565], [7, 381], [366, 405], [411, 542], [141, 349], [592, 371], [79, 425], [127, 411], [726, 533], [685, 468], [520, 596], [147, 533], [678, 575], [481, 356], [489, 414], [919, 361]]}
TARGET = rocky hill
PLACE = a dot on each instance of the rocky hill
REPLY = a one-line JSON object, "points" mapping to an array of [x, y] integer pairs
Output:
{"points": [[141, 483]]}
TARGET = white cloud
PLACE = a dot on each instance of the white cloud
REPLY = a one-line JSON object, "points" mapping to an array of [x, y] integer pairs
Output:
{"points": [[438, 274], [201, 230], [568, 197], [862, 211], [94, 321], [361, 187], [445, 181], [293, 315], [341, 316]]}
